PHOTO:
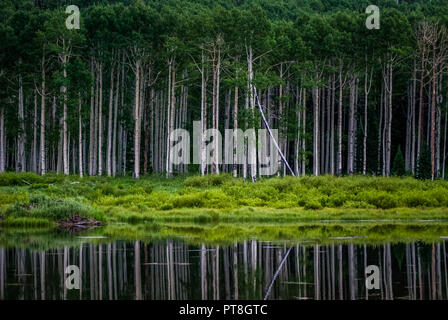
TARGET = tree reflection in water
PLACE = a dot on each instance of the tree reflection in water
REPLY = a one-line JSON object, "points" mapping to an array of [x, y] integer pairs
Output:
{"points": [[172, 269]]}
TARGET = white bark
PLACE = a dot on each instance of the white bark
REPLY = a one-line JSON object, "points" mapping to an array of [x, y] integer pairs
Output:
{"points": [[114, 139], [235, 127], [351, 129], [42, 121], [92, 123], [253, 152], [2, 140], [137, 120], [34, 163], [100, 123], [203, 115], [20, 165], [110, 125], [80, 149], [316, 149]]}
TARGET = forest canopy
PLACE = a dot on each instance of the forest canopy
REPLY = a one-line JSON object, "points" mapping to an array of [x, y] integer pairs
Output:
{"points": [[105, 98]]}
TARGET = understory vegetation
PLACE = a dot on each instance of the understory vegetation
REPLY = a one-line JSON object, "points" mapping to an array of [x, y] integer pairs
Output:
{"points": [[28, 197]]}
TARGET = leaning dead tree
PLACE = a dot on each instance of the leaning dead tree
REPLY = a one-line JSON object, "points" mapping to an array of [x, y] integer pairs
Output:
{"points": [[270, 133]]}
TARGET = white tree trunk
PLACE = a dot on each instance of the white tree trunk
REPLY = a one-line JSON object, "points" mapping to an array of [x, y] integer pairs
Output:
{"points": [[92, 122], [34, 163], [20, 165], [80, 148], [351, 129], [316, 131], [114, 139], [339, 154], [137, 120], [203, 115], [42, 122], [64, 116], [252, 152], [172, 114], [110, 125], [2, 140], [235, 127], [100, 123]]}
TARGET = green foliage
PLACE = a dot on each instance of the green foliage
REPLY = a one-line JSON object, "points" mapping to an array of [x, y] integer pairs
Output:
{"points": [[207, 181], [129, 201], [53, 209], [423, 170], [398, 168]]}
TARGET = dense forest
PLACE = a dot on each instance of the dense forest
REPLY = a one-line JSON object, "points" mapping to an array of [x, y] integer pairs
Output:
{"points": [[103, 99]]}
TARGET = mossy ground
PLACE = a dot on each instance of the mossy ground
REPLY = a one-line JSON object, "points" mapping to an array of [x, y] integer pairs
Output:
{"points": [[221, 207]]}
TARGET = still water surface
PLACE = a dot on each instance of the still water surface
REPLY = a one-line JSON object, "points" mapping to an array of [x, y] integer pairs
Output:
{"points": [[173, 269]]}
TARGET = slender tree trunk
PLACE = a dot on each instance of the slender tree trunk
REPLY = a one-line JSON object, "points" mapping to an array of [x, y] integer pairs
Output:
{"points": [[80, 148], [2, 140], [339, 155], [42, 120], [380, 125], [34, 164], [114, 139], [65, 149], [303, 165], [100, 122], [367, 87], [316, 149], [389, 87], [171, 118], [110, 125], [333, 94], [146, 125], [444, 142], [327, 139], [235, 128], [92, 122], [422, 84], [20, 164], [351, 128], [203, 115], [137, 121], [433, 120], [299, 134], [252, 149]]}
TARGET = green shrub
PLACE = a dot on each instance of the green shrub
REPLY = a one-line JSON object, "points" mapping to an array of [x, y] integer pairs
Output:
{"points": [[413, 199], [194, 200], [438, 196], [54, 209], [338, 199], [312, 204], [379, 199], [357, 205], [211, 180], [19, 179]]}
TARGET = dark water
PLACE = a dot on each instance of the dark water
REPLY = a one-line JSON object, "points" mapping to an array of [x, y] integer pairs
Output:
{"points": [[176, 270]]}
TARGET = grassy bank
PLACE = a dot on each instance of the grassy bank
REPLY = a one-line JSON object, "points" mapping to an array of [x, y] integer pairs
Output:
{"points": [[28, 199]]}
